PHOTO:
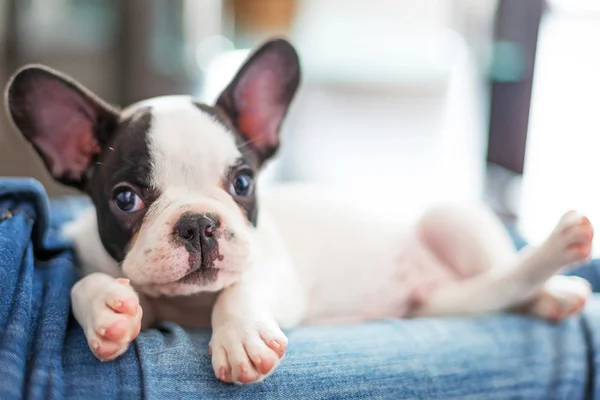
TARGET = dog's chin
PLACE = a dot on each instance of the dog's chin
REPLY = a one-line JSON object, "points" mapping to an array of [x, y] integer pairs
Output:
{"points": [[201, 281]]}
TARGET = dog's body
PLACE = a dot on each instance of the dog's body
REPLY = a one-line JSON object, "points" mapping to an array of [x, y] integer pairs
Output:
{"points": [[176, 216]]}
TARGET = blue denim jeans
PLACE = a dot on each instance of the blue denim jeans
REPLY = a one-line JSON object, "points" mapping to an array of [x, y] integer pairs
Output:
{"points": [[44, 354]]}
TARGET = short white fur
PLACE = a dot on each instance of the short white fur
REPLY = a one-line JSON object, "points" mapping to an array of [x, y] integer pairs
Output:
{"points": [[315, 260]]}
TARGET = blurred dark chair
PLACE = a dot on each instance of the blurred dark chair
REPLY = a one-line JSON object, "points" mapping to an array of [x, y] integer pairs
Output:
{"points": [[516, 30]]}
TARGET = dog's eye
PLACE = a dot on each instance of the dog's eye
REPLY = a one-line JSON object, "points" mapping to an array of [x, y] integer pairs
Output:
{"points": [[242, 184], [127, 200]]}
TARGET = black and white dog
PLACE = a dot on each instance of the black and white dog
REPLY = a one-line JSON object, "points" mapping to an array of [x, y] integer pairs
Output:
{"points": [[179, 231]]}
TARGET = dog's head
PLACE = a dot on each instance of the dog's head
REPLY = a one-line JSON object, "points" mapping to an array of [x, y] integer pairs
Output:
{"points": [[173, 180]]}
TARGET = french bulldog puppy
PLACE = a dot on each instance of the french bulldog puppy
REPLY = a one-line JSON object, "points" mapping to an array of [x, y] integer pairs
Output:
{"points": [[179, 231]]}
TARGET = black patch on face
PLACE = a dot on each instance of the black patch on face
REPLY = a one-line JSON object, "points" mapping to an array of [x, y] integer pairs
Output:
{"points": [[250, 159], [126, 159]]}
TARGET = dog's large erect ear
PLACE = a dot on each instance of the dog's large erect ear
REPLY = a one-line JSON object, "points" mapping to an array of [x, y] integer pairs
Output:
{"points": [[258, 97], [66, 124]]}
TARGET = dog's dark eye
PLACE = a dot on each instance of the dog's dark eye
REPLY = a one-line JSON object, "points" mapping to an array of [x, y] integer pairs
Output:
{"points": [[127, 200], [242, 184]]}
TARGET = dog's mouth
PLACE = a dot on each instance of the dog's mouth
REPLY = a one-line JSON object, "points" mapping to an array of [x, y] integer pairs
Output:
{"points": [[199, 275], [200, 278], [203, 275]]}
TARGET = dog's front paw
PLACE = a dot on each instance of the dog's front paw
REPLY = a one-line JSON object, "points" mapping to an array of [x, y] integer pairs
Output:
{"points": [[114, 321], [246, 352]]}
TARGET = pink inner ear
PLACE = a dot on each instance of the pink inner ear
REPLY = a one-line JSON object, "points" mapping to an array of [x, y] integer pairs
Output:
{"points": [[260, 110], [69, 154], [63, 122]]}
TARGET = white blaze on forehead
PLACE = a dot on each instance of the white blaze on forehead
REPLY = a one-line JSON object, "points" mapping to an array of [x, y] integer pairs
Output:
{"points": [[189, 148]]}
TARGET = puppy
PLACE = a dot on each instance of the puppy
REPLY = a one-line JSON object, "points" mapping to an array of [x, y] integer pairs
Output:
{"points": [[179, 231]]}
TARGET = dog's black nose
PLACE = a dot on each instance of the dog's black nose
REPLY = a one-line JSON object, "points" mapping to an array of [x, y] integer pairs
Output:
{"points": [[198, 232]]}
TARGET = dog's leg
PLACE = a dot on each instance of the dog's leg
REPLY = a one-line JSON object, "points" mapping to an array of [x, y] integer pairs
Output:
{"points": [[247, 342], [108, 309], [469, 239], [525, 284]]}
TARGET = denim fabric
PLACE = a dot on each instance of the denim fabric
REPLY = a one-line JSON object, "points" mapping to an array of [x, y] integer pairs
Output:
{"points": [[454, 358], [41, 348], [44, 354]]}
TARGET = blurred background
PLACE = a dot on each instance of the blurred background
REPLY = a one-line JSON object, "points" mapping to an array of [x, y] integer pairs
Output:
{"points": [[409, 102]]}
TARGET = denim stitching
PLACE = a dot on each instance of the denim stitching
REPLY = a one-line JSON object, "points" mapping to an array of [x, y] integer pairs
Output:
{"points": [[8, 213]]}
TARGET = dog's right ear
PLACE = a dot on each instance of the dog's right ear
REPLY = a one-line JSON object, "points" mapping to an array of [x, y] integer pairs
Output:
{"points": [[258, 97], [66, 124]]}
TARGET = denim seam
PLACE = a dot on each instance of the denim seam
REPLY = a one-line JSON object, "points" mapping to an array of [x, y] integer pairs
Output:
{"points": [[16, 211]]}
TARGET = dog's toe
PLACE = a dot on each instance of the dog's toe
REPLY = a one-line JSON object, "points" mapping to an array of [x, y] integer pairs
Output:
{"points": [[121, 298], [106, 350], [117, 331]]}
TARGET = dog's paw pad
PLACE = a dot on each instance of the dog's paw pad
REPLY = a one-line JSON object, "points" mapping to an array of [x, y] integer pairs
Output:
{"points": [[264, 366], [111, 334], [106, 350], [245, 354], [115, 320], [246, 374]]}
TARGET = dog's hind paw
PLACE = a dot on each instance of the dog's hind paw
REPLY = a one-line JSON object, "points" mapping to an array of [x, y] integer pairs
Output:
{"points": [[561, 298], [571, 241]]}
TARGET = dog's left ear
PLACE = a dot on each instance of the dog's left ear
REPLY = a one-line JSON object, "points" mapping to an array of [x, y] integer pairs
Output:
{"points": [[257, 99]]}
